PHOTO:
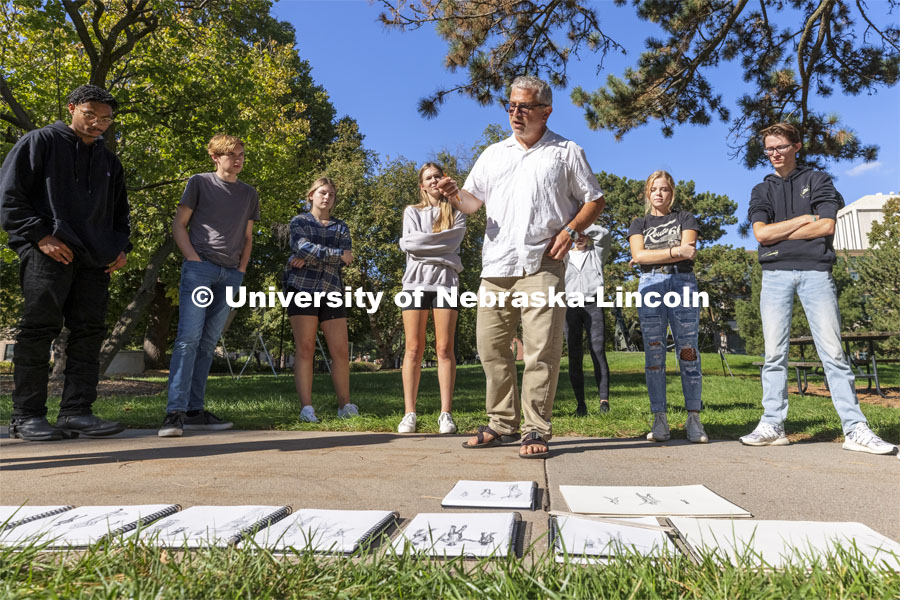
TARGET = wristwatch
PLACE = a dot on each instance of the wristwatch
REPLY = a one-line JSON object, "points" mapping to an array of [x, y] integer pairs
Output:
{"points": [[572, 233]]}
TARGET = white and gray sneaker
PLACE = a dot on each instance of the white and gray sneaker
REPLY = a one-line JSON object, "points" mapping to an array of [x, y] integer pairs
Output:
{"points": [[660, 431], [408, 424], [766, 434], [694, 429], [308, 415], [446, 424], [347, 411], [863, 439]]}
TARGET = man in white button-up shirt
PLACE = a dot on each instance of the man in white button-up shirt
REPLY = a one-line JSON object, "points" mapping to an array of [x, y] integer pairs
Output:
{"points": [[539, 192]]}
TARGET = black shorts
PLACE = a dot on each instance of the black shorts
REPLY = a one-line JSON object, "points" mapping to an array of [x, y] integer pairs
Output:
{"points": [[323, 311], [428, 301]]}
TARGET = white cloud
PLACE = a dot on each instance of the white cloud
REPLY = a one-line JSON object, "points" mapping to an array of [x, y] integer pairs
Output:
{"points": [[863, 168]]}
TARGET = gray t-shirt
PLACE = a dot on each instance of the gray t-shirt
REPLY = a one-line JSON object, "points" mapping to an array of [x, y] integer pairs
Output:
{"points": [[219, 221]]}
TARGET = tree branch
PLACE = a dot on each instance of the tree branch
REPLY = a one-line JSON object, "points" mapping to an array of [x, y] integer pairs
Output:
{"points": [[21, 115]]}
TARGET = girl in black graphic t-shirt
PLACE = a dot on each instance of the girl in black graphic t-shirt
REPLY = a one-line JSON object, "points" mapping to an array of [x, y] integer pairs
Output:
{"points": [[663, 244]]}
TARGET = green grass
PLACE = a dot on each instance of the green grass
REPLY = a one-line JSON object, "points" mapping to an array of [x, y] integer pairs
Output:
{"points": [[731, 405], [135, 571]]}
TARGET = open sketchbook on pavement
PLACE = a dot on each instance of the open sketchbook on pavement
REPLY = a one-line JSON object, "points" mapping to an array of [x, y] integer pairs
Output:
{"points": [[520, 495], [85, 525], [200, 526], [649, 501], [780, 543], [460, 534], [328, 531]]}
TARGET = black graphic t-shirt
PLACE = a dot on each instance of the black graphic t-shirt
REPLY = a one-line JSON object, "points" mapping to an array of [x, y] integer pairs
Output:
{"points": [[664, 232]]}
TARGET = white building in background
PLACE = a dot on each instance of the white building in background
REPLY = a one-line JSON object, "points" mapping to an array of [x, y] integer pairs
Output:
{"points": [[854, 221]]}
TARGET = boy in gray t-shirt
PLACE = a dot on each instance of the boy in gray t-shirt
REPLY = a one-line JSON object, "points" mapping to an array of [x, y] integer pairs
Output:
{"points": [[213, 228]]}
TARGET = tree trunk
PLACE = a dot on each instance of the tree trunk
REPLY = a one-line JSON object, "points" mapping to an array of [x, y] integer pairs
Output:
{"points": [[58, 350], [129, 318], [157, 336]]}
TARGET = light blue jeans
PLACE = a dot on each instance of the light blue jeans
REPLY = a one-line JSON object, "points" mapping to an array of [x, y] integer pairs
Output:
{"points": [[199, 330], [685, 323], [819, 299]]}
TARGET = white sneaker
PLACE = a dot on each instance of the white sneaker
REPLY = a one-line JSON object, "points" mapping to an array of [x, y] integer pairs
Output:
{"points": [[408, 424], [446, 424], [862, 439], [694, 429], [347, 411], [766, 434], [308, 415], [660, 431]]}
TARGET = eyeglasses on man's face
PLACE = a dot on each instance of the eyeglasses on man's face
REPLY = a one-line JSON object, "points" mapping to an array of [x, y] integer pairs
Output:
{"points": [[524, 107], [782, 150], [90, 117]]}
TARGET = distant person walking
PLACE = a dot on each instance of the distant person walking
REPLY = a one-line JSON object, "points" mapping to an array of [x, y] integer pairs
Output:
{"points": [[320, 249], [213, 228], [793, 212], [663, 242], [539, 193], [432, 233], [63, 203], [584, 275]]}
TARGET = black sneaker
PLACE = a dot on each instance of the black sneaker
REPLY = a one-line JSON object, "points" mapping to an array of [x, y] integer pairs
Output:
{"points": [[35, 429], [173, 425], [90, 425], [581, 410], [203, 420], [604, 406]]}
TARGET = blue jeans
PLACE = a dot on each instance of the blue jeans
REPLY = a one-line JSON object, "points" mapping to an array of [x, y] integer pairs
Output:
{"points": [[819, 299], [199, 330], [685, 324]]}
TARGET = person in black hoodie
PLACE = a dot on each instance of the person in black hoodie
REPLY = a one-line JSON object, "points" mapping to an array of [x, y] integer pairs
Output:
{"points": [[793, 213], [64, 205]]}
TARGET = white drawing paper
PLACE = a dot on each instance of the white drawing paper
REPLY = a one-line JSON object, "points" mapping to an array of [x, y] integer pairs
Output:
{"points": [[10, 516], [780, 543], [459, 534], [583, 538], [332, 531], [84, 525], [492, 494], [200, 526], [649, 501]]}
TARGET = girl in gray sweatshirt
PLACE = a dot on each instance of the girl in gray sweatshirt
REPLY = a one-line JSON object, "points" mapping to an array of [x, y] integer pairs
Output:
{"points": [[432, 234]]}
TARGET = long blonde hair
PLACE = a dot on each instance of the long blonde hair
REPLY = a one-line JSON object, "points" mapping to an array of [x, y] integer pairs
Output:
{"points": [[653, 177], [448, 214]]}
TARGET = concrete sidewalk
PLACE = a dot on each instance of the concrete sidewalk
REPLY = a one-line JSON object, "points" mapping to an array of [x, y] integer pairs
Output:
{"points": [[412, 473]]}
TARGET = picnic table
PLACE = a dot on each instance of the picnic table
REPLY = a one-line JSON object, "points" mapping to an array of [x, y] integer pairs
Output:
{"points": [[871, 360]]}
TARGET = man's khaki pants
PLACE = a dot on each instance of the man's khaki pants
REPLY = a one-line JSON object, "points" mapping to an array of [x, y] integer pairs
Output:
{"points": [[542, 336]]}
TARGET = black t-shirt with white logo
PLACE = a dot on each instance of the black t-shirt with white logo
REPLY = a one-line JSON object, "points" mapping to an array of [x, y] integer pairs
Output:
{"points": [[664, 232]]}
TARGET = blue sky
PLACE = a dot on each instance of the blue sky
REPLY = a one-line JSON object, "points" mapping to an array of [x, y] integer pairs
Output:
{"points": [[377, 76]]}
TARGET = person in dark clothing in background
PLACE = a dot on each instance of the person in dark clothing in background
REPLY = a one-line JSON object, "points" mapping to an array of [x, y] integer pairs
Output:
{"points": [[63, 203]]}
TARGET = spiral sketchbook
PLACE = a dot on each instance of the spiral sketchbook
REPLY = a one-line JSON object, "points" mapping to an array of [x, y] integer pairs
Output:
{"points": [[85, 525], [202, 526], [583, 540], [492, 494], [11, 516], [460, 534], [649, 501], [777, 544], [326, 531]]}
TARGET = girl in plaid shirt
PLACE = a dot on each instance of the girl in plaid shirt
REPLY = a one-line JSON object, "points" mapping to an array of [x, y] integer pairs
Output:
{"points": [[320, 248]]}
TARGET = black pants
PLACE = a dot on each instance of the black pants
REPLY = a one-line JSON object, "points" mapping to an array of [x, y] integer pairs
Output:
{"points": [[579, 320], [55, 294]]}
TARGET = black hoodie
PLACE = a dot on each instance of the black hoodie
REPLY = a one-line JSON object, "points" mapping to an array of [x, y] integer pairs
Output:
{"points": [[52, 183], [803, 192]]}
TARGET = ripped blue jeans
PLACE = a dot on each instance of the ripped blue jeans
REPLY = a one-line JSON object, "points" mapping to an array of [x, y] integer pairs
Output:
{"points": [[685, 324]]}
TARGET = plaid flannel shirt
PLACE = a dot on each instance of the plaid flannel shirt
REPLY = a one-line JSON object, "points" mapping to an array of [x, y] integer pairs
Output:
{"points": [[321, 246]]}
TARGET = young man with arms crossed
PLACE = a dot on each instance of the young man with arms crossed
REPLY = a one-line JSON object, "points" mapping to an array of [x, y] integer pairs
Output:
{"points": [[64, 204], [793, 213], [213, 228]]}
